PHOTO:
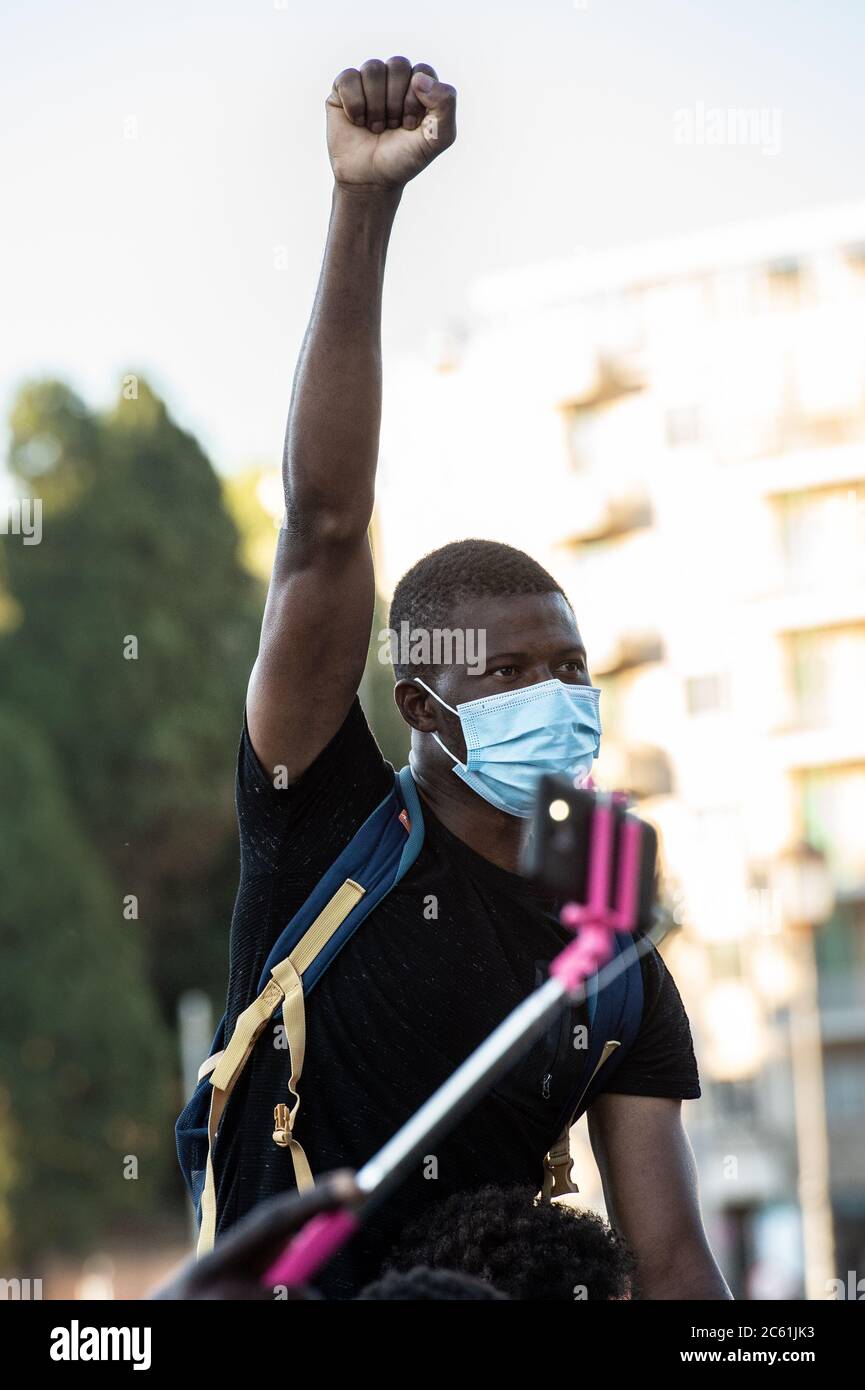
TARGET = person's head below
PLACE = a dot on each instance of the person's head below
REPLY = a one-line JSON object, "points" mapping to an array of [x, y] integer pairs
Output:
{"points": [[522, 1247], [478, 619], [425, 1285]]}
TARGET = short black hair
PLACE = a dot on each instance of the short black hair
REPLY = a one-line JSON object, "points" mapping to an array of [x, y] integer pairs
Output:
{"points": [[428, 593], [527, 1248], [422, 1284]]}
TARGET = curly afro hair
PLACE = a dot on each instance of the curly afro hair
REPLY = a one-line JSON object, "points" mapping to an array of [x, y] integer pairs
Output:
{"points": [[428, 1285], [529, 1249], [428, 593]]}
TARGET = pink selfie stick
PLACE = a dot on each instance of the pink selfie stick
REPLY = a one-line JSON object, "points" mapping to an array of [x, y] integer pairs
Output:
{"points": [[312, 1247]]}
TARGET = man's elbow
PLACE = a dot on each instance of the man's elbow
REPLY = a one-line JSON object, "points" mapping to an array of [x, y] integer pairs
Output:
{"points": [[326, 523]]}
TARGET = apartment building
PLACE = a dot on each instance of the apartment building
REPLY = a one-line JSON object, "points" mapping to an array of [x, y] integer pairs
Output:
{"points": [[678, 432]]}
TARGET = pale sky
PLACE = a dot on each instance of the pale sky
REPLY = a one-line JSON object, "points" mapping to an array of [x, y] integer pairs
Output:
{"points": [[157, 253]]}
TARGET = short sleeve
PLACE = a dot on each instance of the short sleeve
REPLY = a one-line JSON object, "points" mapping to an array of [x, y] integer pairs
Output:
{"points": [[661, 1061], [298, 829]]}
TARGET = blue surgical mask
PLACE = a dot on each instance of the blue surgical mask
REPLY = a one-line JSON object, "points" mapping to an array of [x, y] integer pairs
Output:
{"points": [[513, 738]]}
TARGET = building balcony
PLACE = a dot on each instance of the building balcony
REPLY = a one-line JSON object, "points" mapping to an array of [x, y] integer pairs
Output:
{"points": [[799, 749], [641, 772], [588, 510], [628, 652], [808, 604]]}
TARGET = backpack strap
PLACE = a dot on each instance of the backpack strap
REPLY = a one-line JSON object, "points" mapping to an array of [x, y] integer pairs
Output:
{"points": [[615, 1014], [386, 846], [558, 1164], [284, 988]]}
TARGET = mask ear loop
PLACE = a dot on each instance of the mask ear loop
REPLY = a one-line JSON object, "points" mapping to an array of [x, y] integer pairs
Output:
{"points": [[417, 680]]}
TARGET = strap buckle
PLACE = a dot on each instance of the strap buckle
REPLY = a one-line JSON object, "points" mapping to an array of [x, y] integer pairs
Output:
{"points": [[282, 1122]]}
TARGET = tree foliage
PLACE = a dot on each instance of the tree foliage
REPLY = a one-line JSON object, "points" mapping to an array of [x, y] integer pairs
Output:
{"points": [[83, 1052], [137, 629]]}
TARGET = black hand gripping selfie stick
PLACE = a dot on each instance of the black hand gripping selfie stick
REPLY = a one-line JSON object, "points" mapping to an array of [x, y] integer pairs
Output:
{"points": [[587, 848]]}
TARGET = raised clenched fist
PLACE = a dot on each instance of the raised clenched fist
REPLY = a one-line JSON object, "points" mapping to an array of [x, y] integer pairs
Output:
{"points": [[387, 121]]}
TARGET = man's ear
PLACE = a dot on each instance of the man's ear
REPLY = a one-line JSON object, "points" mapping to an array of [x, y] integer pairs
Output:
{"points": [[416, 706]]}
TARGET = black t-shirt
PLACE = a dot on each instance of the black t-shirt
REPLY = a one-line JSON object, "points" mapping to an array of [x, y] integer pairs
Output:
{"points": [[456, 945]]}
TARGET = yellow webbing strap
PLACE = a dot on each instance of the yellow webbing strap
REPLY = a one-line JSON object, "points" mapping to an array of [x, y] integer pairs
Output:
{"points": [[284, 987], [294, 1023], [557, 1168], [316, 936], [558, 1163], [208, 1064]]}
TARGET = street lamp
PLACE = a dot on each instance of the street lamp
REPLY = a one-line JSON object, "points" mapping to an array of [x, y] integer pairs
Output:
{"points": [[804, 886], [807, 898]]}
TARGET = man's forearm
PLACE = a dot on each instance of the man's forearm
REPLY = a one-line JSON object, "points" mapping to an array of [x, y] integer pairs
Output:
{"points": [[650, 1186], [332, 439], [688, 1273]]}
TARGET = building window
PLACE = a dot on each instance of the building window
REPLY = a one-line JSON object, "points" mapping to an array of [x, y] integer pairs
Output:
{"points": [[827, 676], [649, 772], [833, 814], [840, 948], [854, 255], [845, 1089], [707, 694], [735, 1100], [823, 534], [785, 281], [582, 425], [684, 425]]}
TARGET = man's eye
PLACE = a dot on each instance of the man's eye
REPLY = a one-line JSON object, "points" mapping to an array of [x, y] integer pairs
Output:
{"points": [[578, 669], [507, 671]]}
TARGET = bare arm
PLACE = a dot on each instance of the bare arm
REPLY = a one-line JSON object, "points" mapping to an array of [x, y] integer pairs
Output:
{"points": [[384, 125], [650, 1186]]}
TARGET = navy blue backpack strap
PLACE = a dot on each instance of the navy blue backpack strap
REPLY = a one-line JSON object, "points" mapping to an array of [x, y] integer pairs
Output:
{"points": [[190, 1130], [615, 1013], [379, 854]]}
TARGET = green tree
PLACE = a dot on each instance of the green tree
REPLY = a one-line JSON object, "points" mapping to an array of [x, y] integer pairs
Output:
{"points": [[136, 628], [83, 1052], [376, 694]]}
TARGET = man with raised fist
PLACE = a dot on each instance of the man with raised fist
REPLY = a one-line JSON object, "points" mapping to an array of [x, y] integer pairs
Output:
{"points": [[414, 991]]}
